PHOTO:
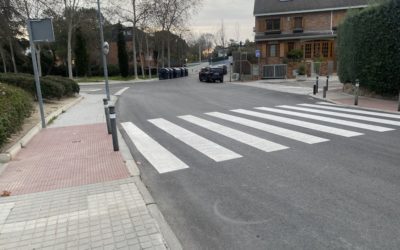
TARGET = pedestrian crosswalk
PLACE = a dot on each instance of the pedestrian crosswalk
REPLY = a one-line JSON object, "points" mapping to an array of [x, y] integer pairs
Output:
{"points": [[189, 131]]}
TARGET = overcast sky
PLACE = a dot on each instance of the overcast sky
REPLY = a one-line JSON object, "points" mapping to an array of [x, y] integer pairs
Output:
{"points": [[236, 14]]}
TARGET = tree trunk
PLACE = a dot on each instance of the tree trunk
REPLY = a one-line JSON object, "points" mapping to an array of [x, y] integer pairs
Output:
{"points": [[69, 50], [12, 56], [398, 108], [163, 54], [148, 55], [169, 51], [39, 61], [3, 58], [134, 52], [141, 57]]}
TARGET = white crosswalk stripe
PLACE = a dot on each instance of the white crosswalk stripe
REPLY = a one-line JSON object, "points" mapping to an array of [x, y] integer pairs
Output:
{"points": [[328, 119], [201, 144], [161, 159], [350, 116], [234, 134], [121, 91], [299, 123], [352, 111], [298, 136]]}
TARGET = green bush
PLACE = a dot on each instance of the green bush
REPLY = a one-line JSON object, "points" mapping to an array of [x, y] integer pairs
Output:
{"points": [[71, 87], [52, 87], [301, 70], [15, 105], [295, 55], [368, 48]]}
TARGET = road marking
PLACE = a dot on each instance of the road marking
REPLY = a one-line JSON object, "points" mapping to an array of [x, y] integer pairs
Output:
{"points": [[328, 103], [350, 116], [294, 135], [161, 159], [299, 123], [327, 119], [352, 111], [121, 91], [201, 144], [90, 90], [234, 134]]}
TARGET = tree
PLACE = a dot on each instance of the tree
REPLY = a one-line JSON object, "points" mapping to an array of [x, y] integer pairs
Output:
{"points": [[133, 11], [122, 54], [70, 10], [81, 55], [172, 15], [10, 20]]}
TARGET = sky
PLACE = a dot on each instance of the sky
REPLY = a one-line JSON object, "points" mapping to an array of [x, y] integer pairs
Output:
{"points": [[237, 16]]}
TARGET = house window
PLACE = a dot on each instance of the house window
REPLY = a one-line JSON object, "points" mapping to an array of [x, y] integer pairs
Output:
{"points": [[274, 24], [325, 49], [273, 50], [317, 49], [290, 46], [298, 23], [307, 50]]}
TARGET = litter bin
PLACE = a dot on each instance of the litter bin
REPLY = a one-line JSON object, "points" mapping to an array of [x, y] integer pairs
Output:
{"points": [[163, 74]]}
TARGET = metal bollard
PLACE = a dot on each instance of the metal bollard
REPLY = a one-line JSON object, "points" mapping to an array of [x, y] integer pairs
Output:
{"points": [[356, 92], [113, 121], [107, 112], [314, 89], [317, 83], [327, 83], [325, 90]]}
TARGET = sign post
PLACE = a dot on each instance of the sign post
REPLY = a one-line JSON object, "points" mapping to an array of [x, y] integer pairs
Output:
{"points": [[40, 30], [258, 55]]}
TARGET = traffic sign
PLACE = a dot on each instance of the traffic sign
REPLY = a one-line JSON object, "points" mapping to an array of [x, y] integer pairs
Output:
{"points": [[258, 53]]}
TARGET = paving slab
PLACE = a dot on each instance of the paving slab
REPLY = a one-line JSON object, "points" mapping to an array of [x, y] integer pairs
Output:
{"points": [[64, 157]]}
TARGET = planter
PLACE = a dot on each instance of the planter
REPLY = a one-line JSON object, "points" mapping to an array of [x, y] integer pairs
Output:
{"points": [[301, 77]]}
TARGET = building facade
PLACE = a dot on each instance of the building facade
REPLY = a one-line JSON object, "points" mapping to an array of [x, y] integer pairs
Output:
{"points": [[282, 26]]}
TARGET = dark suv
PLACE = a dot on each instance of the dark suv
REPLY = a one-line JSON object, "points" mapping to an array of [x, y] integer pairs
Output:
{"points": [[211, 74]]}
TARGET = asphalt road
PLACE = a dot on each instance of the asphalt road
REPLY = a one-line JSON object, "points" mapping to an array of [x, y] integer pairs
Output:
{"points": [[338, 194]]}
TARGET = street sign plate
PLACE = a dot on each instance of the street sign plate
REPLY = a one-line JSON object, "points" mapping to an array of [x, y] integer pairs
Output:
{"points": [[42, 30]]}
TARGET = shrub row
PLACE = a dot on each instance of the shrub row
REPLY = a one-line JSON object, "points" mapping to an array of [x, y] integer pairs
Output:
{"points": [[368, 48], [51, 86], [15, 105]]}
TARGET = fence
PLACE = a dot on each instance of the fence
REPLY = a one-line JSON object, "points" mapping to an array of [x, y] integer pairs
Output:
{"points": [[275, 71]]}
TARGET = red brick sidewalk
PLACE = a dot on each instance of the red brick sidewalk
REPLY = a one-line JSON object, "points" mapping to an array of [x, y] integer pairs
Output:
{"points": [[64, 157], [339, 97], [370, 103]]}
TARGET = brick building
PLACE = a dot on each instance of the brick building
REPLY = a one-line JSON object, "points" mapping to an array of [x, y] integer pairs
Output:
{"points": [[310, 26]]}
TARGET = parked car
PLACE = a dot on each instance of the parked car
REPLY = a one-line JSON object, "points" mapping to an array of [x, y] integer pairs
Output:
{"points": [[211, 74], [224, 68]]}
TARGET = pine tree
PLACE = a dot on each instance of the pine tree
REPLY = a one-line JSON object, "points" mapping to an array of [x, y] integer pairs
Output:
{"points": [[122, 54], [81, 55]]}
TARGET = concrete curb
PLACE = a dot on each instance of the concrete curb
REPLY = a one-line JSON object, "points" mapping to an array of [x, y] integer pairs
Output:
{"points": [[16, 148], [115, 82], [352, 106], [172, 241]]}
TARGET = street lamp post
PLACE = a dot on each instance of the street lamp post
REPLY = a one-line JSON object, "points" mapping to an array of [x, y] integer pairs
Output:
{"points": [[104, 59]]}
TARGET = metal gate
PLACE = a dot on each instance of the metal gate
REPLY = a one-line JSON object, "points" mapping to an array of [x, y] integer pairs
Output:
{"points": [[275, 71]]}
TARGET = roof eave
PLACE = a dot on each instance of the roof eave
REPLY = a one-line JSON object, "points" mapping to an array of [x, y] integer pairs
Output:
{"points": [[310, 11], [295, 38]]}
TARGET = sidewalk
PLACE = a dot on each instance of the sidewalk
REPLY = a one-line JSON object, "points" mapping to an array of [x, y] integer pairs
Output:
{"points": [[335, 93], [70, 190], [337, 96]]}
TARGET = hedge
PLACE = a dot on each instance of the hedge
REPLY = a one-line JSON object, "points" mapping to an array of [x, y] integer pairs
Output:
{"points": [[15, 105], [51, 86], [369, 48]]}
